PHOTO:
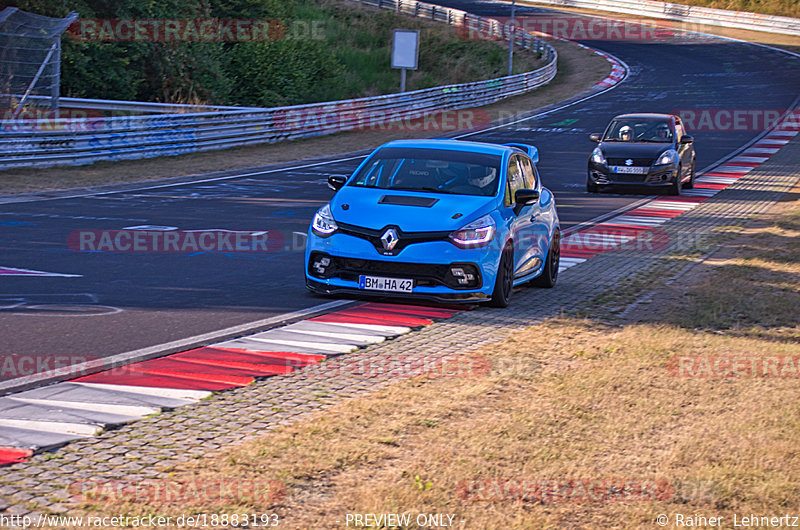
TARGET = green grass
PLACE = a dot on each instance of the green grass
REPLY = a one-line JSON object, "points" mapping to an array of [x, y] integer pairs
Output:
{"points": [[359, 41]]}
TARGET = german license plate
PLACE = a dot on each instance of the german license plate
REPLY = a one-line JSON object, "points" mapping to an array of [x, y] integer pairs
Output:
{"points": [[636, 170], [377, 283]]}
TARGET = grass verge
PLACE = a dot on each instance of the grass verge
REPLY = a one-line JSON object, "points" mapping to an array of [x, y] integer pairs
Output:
{"points": [[581, 423]]}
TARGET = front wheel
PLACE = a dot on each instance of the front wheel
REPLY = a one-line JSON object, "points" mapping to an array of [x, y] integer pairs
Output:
{"points": [[505, 279], [689, 185], [549, 275], [591, 187], [675, 188]]}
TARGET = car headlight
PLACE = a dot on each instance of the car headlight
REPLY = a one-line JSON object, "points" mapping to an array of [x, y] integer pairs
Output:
{"points": [[597, 156], [478, 233], [667, 157], [323, 224]]}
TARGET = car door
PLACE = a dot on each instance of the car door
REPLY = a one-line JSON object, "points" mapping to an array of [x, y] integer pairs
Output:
{"points": [[522, 230], [685, 151], [538, 219]]}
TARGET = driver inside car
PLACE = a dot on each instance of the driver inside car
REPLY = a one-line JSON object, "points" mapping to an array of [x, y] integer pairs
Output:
{"points": [[482, 178], [626, 133], [662, 132]]}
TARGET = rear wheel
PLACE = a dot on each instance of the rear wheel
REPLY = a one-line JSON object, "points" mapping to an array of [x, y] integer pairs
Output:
{"points": [[689, 185], [505, 279], [549, 275]]}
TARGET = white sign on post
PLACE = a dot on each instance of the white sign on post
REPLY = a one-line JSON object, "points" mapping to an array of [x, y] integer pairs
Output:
{"points": [[405, 52]]}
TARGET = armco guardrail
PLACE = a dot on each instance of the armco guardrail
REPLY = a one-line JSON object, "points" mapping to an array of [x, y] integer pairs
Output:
{"points": [[42, 143], [688, 14]]}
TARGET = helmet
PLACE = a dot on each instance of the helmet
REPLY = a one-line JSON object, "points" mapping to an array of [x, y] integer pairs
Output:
{"points": [[662, 131], [626, 133], [482, 176]]}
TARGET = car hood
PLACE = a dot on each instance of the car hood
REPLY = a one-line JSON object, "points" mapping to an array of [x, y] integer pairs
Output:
{"points": [[410, 211], [633, 149]]}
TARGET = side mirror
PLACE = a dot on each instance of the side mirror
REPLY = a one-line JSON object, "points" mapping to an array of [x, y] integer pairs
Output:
{"points": [[686, 139], [595, 137], [523, 197], [335, 182]]}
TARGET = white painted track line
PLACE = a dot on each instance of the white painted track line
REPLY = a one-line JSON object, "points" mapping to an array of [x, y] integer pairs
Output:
{"points": [[56, 427], [172, 393], [123, 410]]}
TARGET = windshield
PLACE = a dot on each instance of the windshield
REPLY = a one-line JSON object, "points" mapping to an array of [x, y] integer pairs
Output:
{"points": [[430, 170], [639, 130]]}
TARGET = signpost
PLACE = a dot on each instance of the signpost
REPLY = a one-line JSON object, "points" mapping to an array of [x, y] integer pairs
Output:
{"points": [[405, 52], [513, 29]]}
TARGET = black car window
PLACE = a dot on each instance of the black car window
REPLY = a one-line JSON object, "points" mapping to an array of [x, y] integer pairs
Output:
{"points": [[515, 180], [639, 130], [528, 173], [430, 170]]}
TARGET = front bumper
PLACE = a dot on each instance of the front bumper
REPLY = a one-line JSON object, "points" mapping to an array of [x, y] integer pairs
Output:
{"points": [[440, 270], [655, 176], [325, 288]]}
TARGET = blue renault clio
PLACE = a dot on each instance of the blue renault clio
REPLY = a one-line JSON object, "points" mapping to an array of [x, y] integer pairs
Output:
{"points": [[443, 220]]}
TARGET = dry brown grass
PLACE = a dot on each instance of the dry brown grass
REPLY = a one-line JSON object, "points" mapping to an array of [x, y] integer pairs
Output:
{"points": [[568, 399], [579, 69]]}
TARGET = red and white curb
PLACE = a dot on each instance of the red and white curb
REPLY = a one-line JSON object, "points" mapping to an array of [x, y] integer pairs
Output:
{"points": [[617, 74], [618, 70], [46, 417], [612, 234]]}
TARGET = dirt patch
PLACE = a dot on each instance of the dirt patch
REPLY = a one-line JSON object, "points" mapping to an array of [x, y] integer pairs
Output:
{"points": [[579, 69]]}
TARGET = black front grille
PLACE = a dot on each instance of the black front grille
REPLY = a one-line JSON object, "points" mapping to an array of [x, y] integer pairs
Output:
{"points": [[627, 177], [636, 161], [404, 238], [423, 274]]}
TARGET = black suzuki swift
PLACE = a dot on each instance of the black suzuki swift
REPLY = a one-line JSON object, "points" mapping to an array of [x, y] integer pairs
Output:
{"points": [[643, 150]]}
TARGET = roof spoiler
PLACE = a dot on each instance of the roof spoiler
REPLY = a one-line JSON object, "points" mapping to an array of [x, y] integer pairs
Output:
{"points": [[530, 150]]}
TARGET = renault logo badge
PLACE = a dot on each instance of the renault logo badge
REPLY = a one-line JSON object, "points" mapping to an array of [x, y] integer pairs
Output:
{"points": [[389, 239]]}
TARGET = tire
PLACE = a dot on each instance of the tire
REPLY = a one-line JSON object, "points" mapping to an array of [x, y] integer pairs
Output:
{"points": [[549, 275], [675, 188], [689, 185], [591, 187], [505, 279]]}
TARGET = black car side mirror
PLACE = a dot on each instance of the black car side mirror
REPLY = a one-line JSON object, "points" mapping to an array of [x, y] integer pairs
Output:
{"points": [[523, 197], [686, 139], [595, 137], [335, 182]]}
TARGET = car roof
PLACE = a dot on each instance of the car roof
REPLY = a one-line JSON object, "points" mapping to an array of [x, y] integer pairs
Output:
{"points": [[454, 145], [649, 115]]}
